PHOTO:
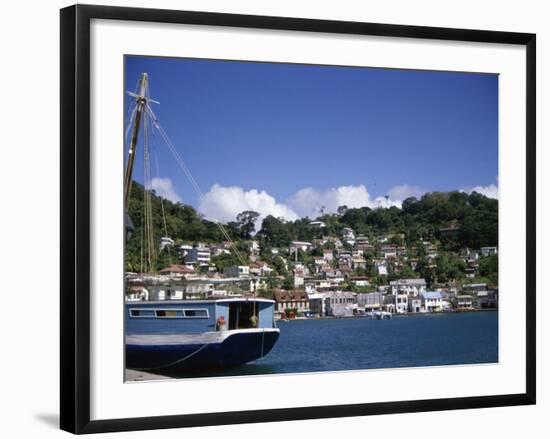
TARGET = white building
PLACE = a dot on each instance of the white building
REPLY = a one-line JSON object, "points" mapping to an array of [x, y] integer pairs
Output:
{"points": [[381, 267], [340, 303], [300, 245], [217, 250], [319, 260], [166, 241], [348, 235], [317, 224], [260, 269], [317, 304], [199, 255], [299, 279], [488, 251], [360, 281], [432, 301], [370, 301], [415, 304], [328, 255], [401, 303], [411, 287]]}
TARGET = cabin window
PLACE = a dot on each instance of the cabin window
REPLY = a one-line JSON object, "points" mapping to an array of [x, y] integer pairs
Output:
{"points": [[196, 313], [142, 313], [169, 313]]}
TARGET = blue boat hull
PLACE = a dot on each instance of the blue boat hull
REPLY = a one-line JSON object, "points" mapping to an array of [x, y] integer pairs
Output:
{"points": [[199, 352]]}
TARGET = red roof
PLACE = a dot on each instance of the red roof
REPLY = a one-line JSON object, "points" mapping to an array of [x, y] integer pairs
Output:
{"points": [[289, 296], [180, 269]]}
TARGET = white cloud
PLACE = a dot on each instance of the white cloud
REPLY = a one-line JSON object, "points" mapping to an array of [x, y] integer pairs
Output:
{"points": [[309, 201], [165, 188], [404, 191], [490, 191], [224, 203]]}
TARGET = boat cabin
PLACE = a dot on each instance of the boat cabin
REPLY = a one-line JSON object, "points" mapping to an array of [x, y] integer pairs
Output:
{"points": [[196, 316]]}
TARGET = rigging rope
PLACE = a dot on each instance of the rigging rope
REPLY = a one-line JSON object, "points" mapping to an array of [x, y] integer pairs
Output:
{"points": [[148, 201], [130, 123], [190, 177], [163, 215]]}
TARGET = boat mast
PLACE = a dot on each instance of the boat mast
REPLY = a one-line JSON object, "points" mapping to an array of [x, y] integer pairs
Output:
{"points": [[141, 101]]}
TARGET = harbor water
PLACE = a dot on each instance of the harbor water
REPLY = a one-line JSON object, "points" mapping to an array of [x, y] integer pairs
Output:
{"points": [[319, 345]]}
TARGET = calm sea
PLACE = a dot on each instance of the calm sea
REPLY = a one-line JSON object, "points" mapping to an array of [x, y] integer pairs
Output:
{"points": [[361, 343]]}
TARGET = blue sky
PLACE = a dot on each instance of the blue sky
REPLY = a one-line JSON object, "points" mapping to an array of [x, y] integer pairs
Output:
{"points": [[287, 138]]}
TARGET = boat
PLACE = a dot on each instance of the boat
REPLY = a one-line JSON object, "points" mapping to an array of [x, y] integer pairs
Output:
{"points": [[198, 334], [184, 334], [379, 315]]}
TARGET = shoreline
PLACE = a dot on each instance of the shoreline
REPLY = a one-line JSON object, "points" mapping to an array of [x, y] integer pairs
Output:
{"points": [[407, 314]]}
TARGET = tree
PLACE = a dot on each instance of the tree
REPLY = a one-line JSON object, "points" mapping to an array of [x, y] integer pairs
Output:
{"points": [[455, 219], [449, 268], [342, 210], [225, 260], [274, 232], [410, 205], [246, 221], [488, 267], [288, 283]]}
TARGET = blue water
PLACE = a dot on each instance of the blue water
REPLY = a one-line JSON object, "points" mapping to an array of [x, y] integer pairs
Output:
{"points": [[361, 343]]}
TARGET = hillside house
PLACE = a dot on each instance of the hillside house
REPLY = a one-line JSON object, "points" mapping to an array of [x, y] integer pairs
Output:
{"points": [[328, 255], [166, 241], [348, 235], [411, 287], [487, 299], [260, 269], [381, 267], [488, 251], [177, 271], [199, 255], [317, 224], [300, 245], [360, 281], [285, 301], [388, 251], [240, 271]]}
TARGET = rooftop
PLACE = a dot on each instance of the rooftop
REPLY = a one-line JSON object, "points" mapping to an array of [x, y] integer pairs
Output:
{"points": [[408, 282], [179, 269], [288, 296], [431, 295]]}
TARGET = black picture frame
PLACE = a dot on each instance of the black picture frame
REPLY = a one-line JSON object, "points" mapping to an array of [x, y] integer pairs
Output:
{"points": [[75, 217]]}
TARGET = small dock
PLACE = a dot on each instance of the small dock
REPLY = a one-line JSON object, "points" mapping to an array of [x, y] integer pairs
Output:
{"points": [[139, 375]]}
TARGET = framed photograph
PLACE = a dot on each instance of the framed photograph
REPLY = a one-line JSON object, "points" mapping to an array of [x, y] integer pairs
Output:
{"points": [[275, 218]]}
